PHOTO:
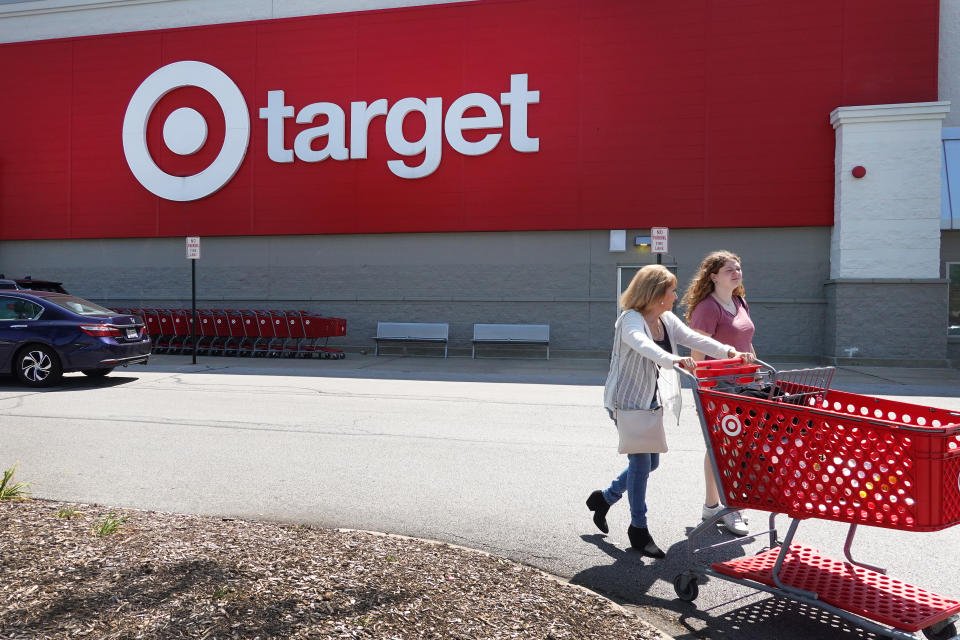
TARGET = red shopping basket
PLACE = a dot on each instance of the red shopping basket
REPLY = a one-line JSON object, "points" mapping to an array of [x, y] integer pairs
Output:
{"points": [[836, 456]]}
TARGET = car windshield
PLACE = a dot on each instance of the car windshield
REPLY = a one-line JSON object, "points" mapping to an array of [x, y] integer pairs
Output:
{"points": [[79, 306]]}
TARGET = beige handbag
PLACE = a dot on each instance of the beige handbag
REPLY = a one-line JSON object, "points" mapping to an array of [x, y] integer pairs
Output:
{"points": [[640, 430]]}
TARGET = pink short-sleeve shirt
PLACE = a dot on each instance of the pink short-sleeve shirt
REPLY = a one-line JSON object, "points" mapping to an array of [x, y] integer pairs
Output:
{"points": [[711, 318]]}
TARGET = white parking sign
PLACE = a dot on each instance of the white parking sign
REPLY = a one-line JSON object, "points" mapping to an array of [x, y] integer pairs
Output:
{"points": [[659, 239], [193, 247]]}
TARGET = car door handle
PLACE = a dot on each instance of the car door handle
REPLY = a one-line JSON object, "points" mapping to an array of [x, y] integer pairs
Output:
{"points": [[18, 326]]}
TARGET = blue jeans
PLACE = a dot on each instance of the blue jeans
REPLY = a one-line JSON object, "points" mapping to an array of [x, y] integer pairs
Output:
{"points": [[633, 480]]}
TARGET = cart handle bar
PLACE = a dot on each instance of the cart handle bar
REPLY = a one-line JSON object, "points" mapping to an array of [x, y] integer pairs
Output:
{"points": [[709, 364]]}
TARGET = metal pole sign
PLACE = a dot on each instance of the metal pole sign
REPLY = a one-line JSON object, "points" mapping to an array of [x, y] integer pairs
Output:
{"points": [[193, 248], [193, 254], [659, 239]]}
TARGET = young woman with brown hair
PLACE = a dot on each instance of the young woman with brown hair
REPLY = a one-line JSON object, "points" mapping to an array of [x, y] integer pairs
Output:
{"points": [[716, 306]]}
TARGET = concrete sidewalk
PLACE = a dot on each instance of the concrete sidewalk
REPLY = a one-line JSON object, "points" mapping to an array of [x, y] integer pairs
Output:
{"points": [[896, 381]]}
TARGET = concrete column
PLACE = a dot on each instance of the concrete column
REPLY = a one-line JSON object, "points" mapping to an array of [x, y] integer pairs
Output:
{"points": [[885, 298]]}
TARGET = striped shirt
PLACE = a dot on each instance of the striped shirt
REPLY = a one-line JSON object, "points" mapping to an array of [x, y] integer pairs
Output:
{"points": [[638, 380]]}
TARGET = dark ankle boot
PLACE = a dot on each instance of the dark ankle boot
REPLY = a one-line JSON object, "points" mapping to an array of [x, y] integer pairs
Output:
{"points": [[641, 541], [599, 506]]}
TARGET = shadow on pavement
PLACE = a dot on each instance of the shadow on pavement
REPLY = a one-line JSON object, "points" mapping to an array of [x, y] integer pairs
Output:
{"points": [[69, 382], [628, 579], [767, 618]]}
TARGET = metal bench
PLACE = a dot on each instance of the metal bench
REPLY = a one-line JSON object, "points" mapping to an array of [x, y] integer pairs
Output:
{"points": [[412, 332], [511, 334]]}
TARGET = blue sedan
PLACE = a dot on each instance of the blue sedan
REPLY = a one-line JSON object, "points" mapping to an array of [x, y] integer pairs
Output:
{"points": [[45, 334]]}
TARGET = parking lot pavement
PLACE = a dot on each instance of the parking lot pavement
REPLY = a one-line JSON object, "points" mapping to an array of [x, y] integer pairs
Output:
{"points": [[366, 441], [579, 371], [871, 380]]}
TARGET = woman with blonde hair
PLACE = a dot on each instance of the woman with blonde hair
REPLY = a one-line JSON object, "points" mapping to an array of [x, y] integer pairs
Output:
{"points": [[642, 376], [716, 306]]}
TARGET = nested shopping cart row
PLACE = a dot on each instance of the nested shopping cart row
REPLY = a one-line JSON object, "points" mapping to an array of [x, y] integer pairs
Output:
{"points": [[243, 332]]}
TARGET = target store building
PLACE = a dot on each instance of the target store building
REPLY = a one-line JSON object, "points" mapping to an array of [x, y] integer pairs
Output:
{"points": [[494, 161]]}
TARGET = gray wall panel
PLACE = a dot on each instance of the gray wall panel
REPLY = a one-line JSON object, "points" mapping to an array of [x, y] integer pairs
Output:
{"points": [[565, 279], [887, 320]]}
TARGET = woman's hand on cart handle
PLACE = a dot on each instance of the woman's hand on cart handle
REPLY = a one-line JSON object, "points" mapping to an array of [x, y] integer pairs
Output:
{"points": [[746, 356], [687, 363]]}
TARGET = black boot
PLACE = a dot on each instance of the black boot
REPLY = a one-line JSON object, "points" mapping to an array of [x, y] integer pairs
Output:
{"points": [[641, 541], [599, 506]]}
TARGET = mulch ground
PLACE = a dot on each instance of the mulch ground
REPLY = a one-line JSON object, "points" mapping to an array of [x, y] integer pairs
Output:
{"points": [[64, 574]]}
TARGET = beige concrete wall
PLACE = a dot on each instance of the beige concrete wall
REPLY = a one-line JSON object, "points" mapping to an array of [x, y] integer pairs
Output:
{"points": [[44, 19], [949, 66]]}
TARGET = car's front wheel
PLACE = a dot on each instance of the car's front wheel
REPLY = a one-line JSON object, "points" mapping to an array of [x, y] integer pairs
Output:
{"points": [[96, 373], [37, 365]]}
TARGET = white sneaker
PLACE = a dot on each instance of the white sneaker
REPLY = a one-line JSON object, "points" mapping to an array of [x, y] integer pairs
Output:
{"points": [[733, 521]]}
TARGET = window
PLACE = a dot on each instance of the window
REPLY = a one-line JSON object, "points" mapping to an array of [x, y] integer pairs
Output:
{"points": [[953, 317], [950, 179], [17, 309], [625, 275], [79, 305]]}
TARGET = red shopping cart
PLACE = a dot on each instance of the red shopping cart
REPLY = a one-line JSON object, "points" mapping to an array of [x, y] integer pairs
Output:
{"points": [[786, 443]]}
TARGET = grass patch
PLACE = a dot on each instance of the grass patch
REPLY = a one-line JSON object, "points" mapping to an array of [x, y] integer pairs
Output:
{"points": [[67, 513], [109, 525], [12, 490], [223, 593]]}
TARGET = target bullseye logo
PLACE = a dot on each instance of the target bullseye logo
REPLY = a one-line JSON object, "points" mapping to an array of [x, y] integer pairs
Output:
{"points": [[731, 425], [185, 130]]}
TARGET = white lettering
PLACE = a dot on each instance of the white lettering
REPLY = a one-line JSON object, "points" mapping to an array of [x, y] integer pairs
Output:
{"points": [[517, 100], [430, 144], [437, 126], [333, 130], [360, 116], [456, 123], [274, 113]]}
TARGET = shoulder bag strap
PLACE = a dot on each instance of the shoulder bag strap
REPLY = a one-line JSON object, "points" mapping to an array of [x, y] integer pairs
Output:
{"points": [[617, 339]]}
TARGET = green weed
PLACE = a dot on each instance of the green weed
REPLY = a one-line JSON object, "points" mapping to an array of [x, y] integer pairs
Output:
{"points": [[222, 593], [109, 525], [12, 490]]}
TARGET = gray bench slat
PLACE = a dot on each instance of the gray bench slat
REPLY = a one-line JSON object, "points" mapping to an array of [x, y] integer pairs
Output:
{"points": [[502, 333], [412, 332]]}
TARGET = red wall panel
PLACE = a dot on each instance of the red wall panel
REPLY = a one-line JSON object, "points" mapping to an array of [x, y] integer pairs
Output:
{"points": [[35, 140], [710, 113]]}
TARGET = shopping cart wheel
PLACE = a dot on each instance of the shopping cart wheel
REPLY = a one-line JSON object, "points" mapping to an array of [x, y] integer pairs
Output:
{"points": [[942, 630], [686, 587]]}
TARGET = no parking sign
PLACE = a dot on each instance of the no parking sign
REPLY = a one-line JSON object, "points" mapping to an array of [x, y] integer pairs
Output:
{"points": [[659, 239], [193, 247]]}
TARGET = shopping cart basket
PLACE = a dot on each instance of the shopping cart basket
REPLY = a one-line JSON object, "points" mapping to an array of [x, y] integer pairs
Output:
{"points": [[784, 442]]}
